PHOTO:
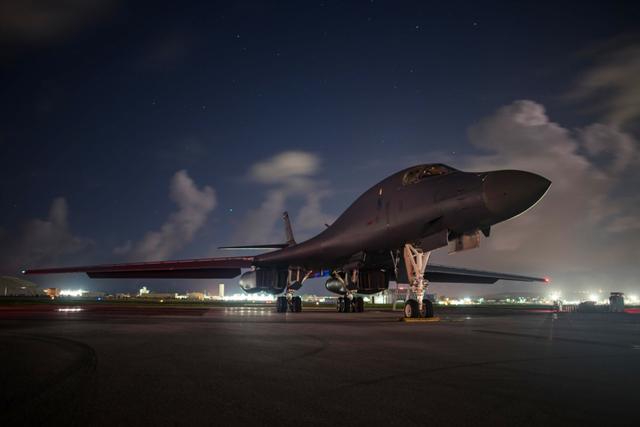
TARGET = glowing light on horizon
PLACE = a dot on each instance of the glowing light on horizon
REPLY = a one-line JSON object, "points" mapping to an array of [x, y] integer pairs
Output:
{"points": [[249, 297], [71, 292]]}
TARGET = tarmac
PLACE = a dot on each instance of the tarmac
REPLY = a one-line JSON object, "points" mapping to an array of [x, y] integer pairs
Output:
{"points": [[109, 365]]}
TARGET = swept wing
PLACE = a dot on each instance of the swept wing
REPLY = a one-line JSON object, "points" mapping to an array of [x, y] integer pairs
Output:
{"points": [[445, 274], [203, 268]]}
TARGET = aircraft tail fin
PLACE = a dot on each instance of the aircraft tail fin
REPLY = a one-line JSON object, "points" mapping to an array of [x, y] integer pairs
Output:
{"points": [[287, 229], [288, 233]]}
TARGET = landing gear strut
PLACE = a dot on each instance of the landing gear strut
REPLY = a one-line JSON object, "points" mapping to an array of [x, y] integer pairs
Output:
{"points": [[415, 260]]}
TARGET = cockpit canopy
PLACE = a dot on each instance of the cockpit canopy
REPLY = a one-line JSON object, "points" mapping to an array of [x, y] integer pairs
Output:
{"points": [[421, 172]]}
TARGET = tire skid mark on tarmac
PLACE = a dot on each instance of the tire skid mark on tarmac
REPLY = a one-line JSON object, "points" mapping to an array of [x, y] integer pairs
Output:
{"points": [[85, 364]]}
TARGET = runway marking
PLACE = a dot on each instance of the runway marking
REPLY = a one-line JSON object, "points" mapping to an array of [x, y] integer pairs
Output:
{"points": [[550, 338], [419, 319]]}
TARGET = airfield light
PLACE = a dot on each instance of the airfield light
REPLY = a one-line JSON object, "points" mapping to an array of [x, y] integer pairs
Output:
{"points": [[71, 292], [593, 297], [633, 299], [555, 296]]}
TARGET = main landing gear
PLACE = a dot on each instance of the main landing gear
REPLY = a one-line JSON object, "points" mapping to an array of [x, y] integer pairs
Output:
{"points": [[288, 303], [415, 260], [350, 304]]}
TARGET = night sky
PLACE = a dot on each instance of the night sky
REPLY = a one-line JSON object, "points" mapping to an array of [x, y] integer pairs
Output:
{"points": [[136, 131]]}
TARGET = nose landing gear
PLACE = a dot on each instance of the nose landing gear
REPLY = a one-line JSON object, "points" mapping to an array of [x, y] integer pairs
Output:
{"points": [[415, 261]]}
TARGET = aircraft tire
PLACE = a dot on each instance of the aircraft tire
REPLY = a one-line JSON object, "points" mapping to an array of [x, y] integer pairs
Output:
{"points": [[296, 304], [427, 308], [340, 305], [348, 305], [411, 308], [359, 308], [281, 304]]}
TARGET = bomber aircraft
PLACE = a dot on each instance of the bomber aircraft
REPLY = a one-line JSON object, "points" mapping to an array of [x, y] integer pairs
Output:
{"points": [[386, 235]]}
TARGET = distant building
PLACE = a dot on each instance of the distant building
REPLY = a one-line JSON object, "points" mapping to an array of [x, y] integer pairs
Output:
{"points": [[195, 296], [94, 294], [616, 302], [221, 290], [52, 292], [158, 295], [15, 287]]}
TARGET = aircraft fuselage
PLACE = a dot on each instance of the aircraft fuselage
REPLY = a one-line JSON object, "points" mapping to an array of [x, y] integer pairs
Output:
{"points": [[407, 207]]}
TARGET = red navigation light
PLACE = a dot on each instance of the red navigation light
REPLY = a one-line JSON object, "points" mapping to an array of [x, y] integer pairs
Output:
{"points": [[547, 280]]}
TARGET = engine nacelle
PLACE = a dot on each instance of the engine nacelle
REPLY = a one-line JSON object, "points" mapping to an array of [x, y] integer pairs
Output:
{"points": [[368, 282], [271, 281], [336, 286]]}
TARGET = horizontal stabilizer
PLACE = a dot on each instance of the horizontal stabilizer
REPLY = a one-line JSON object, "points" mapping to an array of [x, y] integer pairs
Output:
{"points": [[256, 247]]}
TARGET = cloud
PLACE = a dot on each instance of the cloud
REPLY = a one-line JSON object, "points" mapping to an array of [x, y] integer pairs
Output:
{"points": [[41, 242], [311, 217], [41, 22], [291, 175], [610, 145], [284, 167], [587, 223], [259, 224], [194, 206], [612, 85]]}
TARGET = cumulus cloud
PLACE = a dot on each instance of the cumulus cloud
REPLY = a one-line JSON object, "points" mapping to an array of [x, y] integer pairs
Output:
{"points": [[587, 222], [41, 242], [194, 206], [41, 22], [285, 166], [609, 145], [290, 175], [612, 84]]}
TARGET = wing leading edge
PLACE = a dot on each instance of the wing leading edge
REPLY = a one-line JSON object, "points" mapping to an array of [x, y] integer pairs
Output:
{"points": [[444, 274], [204, 268], [229, 267]]}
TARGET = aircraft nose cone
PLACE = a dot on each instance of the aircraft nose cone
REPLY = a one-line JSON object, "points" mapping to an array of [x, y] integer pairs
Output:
{"points": [[510, 192]]}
